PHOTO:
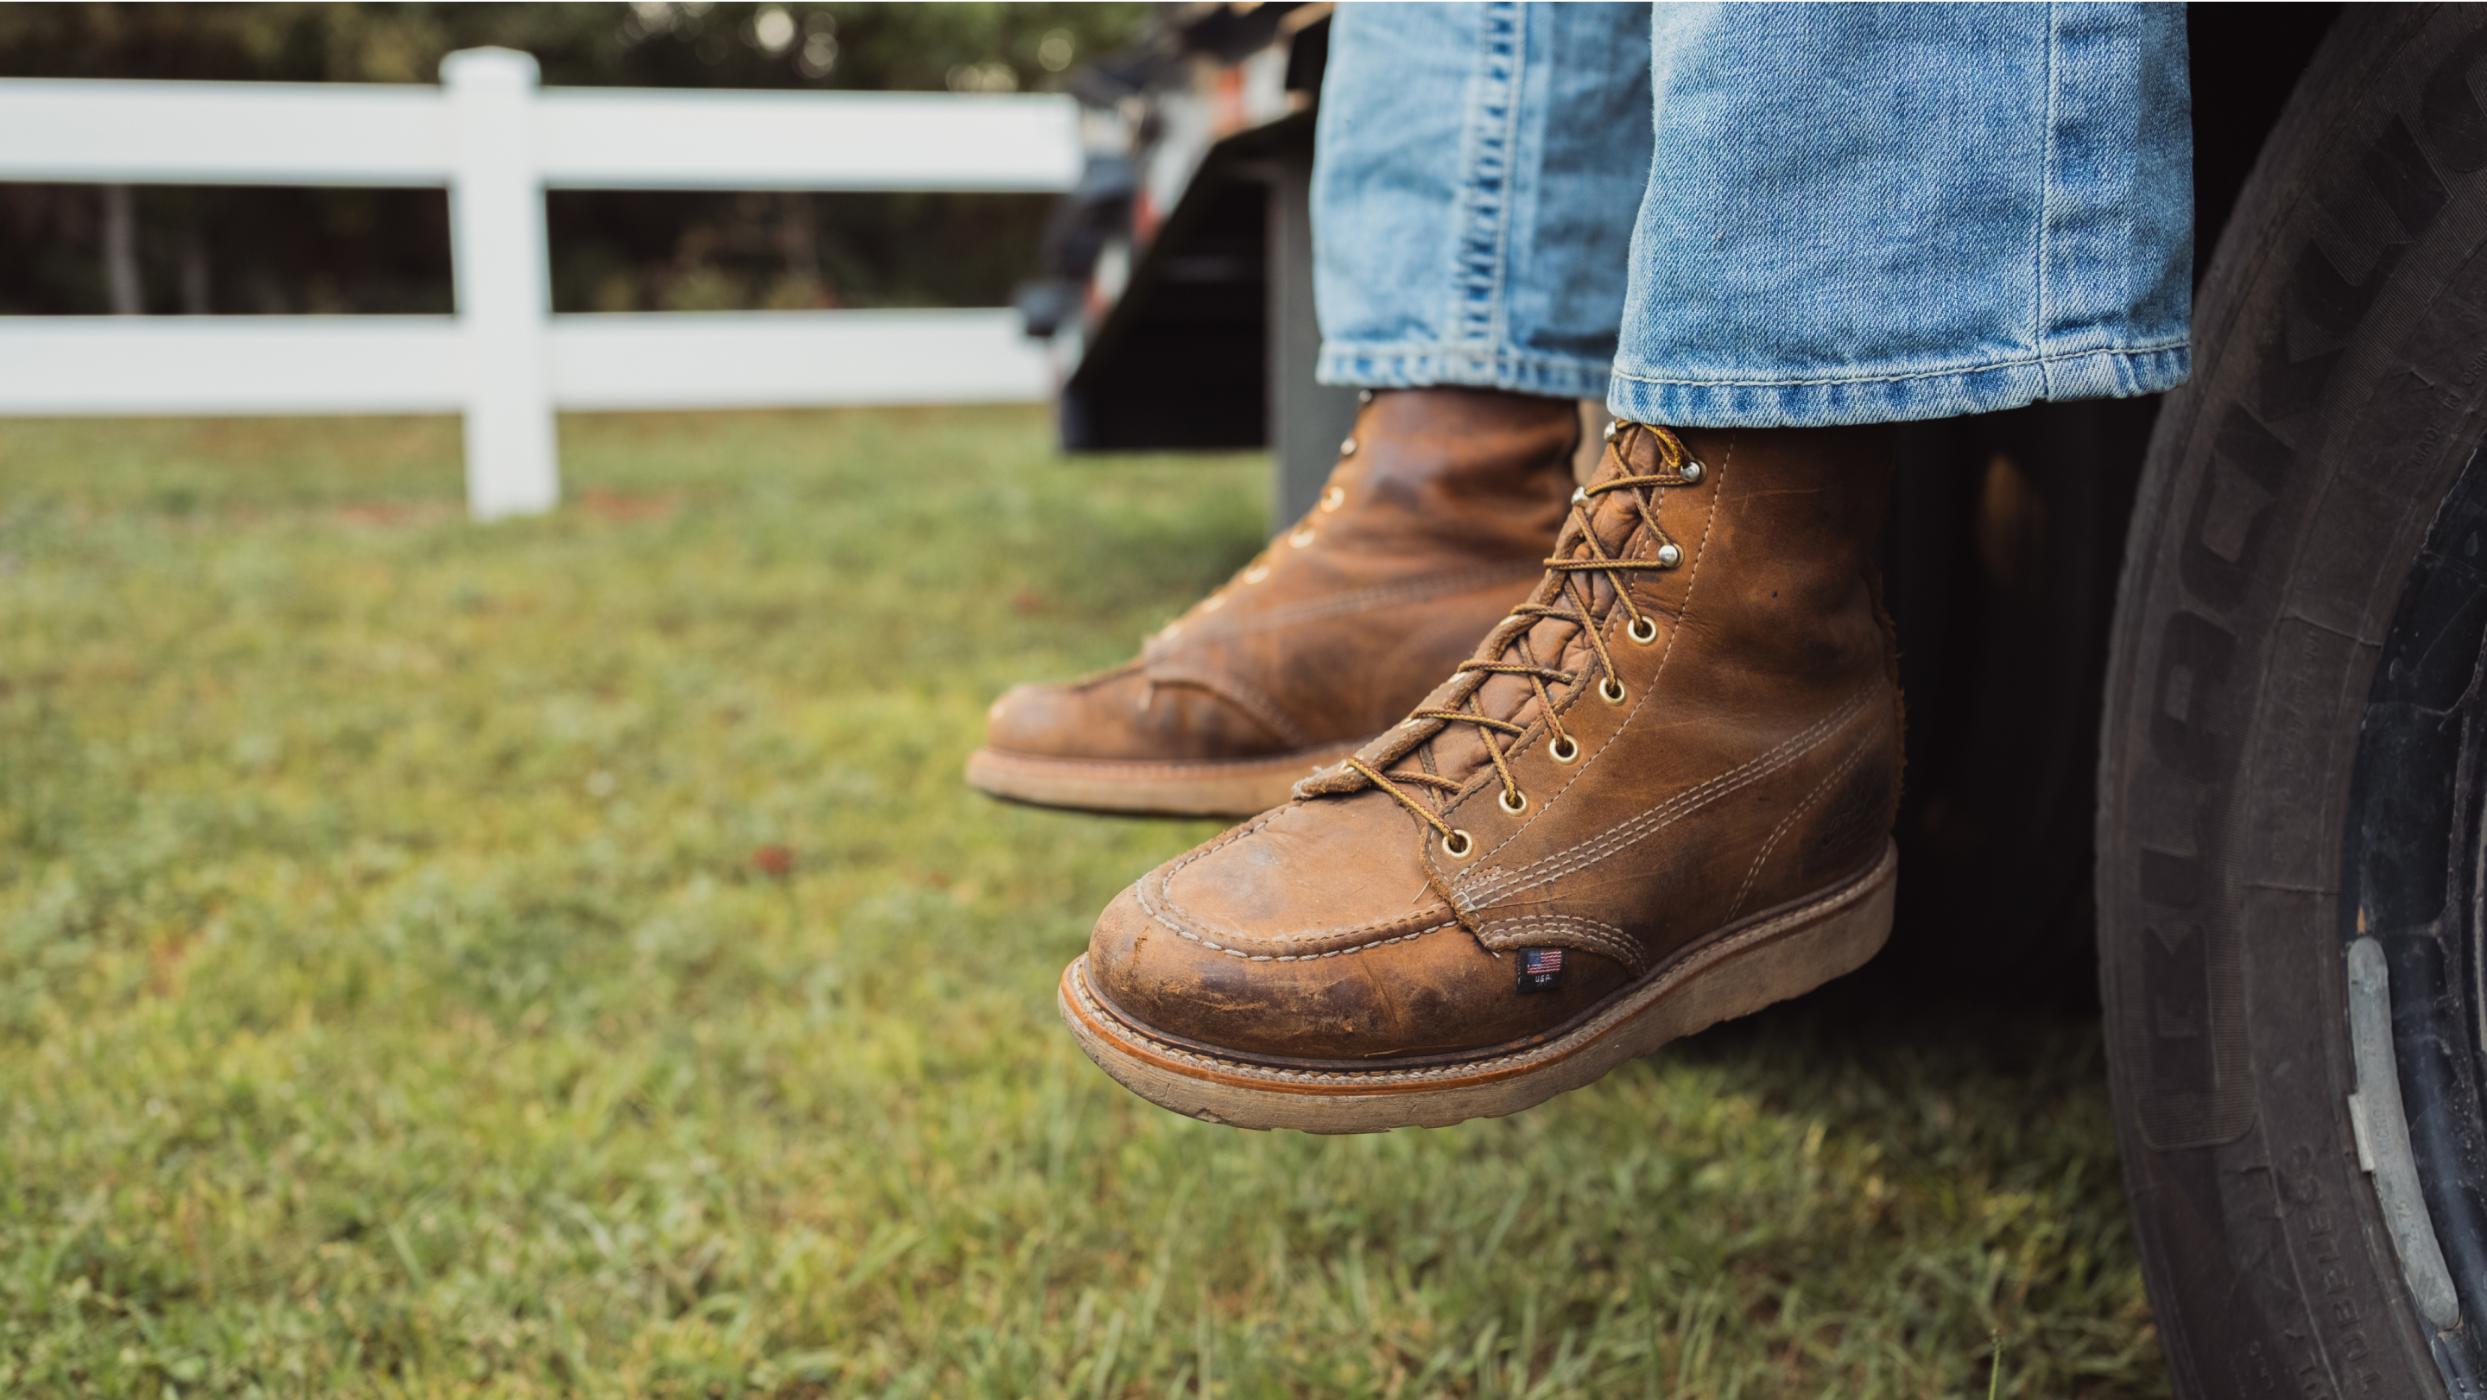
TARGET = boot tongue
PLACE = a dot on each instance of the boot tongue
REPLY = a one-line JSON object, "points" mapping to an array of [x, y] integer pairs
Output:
{"points": [[1457, 750]]}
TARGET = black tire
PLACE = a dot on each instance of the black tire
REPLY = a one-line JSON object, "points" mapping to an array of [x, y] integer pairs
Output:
{"points": [[2257, 814]]}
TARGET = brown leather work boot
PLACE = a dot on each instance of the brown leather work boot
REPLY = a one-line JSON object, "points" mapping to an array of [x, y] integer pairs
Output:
{"points": [[1660, 795], [1431, 527]]}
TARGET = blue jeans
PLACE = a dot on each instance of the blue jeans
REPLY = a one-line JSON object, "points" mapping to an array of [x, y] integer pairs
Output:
{"points": [[1757, 215]]}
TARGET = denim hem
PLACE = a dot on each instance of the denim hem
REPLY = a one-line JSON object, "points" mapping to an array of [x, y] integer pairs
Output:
{"points": [[1421, 366], [1837, 400]]}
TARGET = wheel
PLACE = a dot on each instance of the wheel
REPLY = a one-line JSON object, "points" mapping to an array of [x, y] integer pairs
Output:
{"points": [[2294, 750]]}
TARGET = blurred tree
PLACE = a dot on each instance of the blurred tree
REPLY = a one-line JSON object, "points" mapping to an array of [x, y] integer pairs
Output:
{"points": [[228, 250]]}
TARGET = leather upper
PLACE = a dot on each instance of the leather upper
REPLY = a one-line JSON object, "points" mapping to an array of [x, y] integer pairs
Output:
{"points": [[1434, 521], [1753, 761]]}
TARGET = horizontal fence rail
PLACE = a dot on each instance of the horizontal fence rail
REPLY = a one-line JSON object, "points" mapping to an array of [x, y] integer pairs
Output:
{"points": [[497, 142], [59, 366], [77, 130]]}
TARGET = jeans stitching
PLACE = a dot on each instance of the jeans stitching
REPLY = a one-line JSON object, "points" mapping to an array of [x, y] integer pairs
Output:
{"points": [[1429, 362], [2046, 189], [2041, 361], [1483, 239]]}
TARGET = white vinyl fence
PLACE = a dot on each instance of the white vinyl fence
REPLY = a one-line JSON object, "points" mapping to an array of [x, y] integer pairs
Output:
{"points": [[497, 141]]}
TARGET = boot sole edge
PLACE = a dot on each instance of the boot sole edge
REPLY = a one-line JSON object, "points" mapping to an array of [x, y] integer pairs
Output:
{"points": [[1169, 788], [1770, 958]]}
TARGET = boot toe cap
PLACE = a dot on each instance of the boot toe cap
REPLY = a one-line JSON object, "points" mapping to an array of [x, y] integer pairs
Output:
{"points": [[1046, 720], [1417, 985], [1123, 716]]}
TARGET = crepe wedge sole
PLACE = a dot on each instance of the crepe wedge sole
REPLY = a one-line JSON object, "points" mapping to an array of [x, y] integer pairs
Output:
{"points": [[1768, 958], [1171, 788]]}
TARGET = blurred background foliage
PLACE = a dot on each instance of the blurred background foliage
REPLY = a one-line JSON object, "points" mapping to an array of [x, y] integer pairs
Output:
{"points": [[86, 250]]}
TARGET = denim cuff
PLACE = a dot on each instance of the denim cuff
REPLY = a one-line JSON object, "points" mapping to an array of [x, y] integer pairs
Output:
{"points": [[1838, 400], [1423, 365]]}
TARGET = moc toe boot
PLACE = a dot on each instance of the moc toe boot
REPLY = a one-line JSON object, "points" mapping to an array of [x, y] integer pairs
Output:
{"points": [[1433, 523], [1658, 795]]}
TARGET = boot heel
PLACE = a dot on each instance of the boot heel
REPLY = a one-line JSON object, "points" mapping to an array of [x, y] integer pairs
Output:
{"points": [[1763, 966]]}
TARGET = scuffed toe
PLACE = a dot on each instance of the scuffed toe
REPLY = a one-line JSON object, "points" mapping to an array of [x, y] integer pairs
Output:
{"points": [[1036, 720], [1410, 983]]}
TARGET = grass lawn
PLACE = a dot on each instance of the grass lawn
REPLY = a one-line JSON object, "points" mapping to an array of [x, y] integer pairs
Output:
{"points": [[561, 957]]}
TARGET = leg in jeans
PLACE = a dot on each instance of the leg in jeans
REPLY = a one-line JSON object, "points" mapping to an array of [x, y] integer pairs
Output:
{"points": [[1480, 165], [1660, 792], [1873, 213], [1474, 183]]}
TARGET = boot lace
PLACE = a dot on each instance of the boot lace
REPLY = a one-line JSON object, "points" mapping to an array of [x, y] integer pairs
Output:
{"points": [[1571, 598]]}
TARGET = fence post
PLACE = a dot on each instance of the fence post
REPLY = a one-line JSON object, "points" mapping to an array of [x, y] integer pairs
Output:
{"points": [[503, 283]]}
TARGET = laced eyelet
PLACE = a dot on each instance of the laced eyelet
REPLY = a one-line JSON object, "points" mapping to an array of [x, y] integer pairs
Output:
{"points": [[1301, 539], [1585, 565], [1333, 498]]}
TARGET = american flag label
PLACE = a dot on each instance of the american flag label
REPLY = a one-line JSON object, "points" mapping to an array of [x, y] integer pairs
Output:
{"points": [[1541, 969]]}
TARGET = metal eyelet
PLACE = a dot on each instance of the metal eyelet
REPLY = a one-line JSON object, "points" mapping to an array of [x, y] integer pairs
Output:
{"points": [[1691, 471], [1459, 845], [1301, 539], [1643, 630], [1514, 808], [1565, 749], [1256, 573], [1611, 691], [1669, 556], [1347, 447], [1214, 602], [1612, 426], [1333, 498]]}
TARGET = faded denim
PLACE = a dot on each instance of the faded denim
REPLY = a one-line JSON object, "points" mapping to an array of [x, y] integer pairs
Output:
{"points": [[1788, 215]]}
